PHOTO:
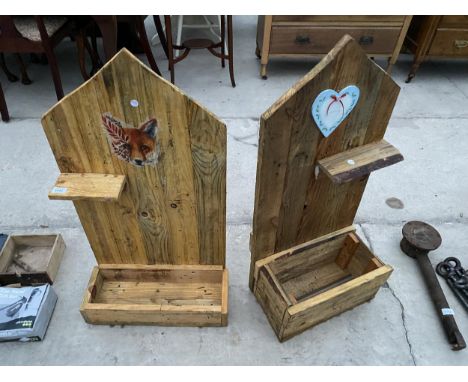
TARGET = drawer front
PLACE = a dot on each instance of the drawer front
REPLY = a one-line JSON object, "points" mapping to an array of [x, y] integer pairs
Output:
{"points": [[458, 21], [286, 40], [450, 42], [340, 19]]}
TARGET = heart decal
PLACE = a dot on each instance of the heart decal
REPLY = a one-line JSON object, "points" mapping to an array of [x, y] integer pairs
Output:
{"points": [[331, 108]]}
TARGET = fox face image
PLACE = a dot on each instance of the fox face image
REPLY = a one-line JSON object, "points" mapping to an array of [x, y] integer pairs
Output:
{"points": [[137, 146]]}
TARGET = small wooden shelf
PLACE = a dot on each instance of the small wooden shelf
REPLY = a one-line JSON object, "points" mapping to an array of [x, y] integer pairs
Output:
{"points": [[355, 163], [96, 187]]}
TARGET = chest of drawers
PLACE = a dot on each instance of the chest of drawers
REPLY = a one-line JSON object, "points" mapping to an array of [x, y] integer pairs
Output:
{"points": [[295, 36], [437, 36]]}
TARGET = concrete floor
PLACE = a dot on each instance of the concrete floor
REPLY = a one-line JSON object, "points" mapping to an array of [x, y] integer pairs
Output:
{"points": [[399, 327]]}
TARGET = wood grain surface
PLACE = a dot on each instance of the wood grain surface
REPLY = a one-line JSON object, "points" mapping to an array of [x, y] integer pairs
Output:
{"points": [[168, 295], [169, 213], [292, 205]]}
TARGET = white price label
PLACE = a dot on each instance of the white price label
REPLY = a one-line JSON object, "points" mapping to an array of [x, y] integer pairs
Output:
{"points": [[59, 190], [447, 312]]}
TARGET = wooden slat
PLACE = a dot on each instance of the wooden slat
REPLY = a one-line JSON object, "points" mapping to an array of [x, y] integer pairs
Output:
{"points": [[302, 262], [278, 286], [355, 163], [359, 262], [56, 257], [325, 305], [301, 248], [350, 246], [292, 206], [181, 276], [165, 315], [161, 267], [95, 187], [169, 213], [316, 278], [271, 300], [225, 298], [147, 292]]}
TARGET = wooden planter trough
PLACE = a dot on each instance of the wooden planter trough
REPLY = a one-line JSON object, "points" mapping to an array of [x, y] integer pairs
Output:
{"points": [[145, 167], [308, 264], [157, 295], [31, 259], [314, 281]]}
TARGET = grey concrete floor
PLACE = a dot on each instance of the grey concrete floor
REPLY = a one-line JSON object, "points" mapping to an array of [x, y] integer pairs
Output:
{"points": [[399, 327]]}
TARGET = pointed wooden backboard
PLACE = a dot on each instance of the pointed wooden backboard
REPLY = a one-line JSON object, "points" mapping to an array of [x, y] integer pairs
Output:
{"points": [[302, 192], [126, 120]]}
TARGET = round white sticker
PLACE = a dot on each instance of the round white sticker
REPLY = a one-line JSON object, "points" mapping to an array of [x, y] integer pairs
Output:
{"points": [[134, 103]]}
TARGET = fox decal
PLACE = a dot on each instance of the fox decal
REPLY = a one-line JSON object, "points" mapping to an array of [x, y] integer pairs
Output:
{"points": [[137, 146]]}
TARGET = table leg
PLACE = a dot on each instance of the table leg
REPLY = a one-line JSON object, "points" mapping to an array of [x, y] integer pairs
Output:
{"points": [[223, 38], [170, 50], [140, 25], [161, 34], [231, 51], [3, 106]]}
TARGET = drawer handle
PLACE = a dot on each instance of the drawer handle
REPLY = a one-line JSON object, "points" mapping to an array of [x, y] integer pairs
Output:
{"points": [[302, 40], [461, 44], [366, 40]]}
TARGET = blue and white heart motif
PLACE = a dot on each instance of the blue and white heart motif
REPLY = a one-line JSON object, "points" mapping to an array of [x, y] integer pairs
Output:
{"points": [[331, 108]]}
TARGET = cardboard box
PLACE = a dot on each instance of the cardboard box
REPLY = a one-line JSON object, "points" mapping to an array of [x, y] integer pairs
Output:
{"points": [[25, 312]]}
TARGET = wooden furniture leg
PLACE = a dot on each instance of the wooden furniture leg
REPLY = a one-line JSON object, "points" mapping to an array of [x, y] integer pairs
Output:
{"points": [[161, 34], [170, 50], [11, 77], [3, 106], [414, 68], [140, 25], [81, 55], [231, 51], [25, 80], [401, 38], [257, 52], [265, 47], [108, 27], [430, 29], [223, 39], [50, 58]]}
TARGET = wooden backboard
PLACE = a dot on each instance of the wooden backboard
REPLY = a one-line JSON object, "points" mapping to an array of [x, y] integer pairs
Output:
{"points": [[295, 200], [126, 120]]}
